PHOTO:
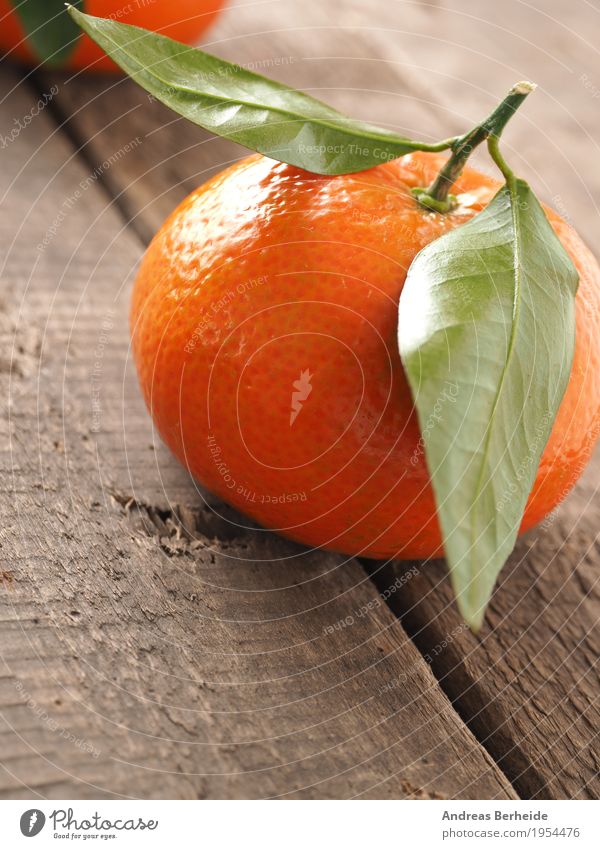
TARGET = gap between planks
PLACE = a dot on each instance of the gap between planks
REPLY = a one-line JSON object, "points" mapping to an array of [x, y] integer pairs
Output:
{"points": [[490, 708], [539, 727], [119, 626]]}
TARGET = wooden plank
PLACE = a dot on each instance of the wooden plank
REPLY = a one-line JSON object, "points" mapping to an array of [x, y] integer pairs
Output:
{"points": [[430, 70], [529, 689], [529, 686], [148, 648]]}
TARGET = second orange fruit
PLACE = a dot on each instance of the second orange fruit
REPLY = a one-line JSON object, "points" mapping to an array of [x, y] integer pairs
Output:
{"points": [[264, 322], [183, 20]]}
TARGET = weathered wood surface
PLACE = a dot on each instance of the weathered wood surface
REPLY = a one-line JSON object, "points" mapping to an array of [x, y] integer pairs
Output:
{"points": [[528, 688], [148, 647], [435, 69]]}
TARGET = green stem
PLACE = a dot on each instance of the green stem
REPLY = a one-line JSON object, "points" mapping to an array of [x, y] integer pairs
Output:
{"points": [[437, 147], [494, 149], [437, 196]]}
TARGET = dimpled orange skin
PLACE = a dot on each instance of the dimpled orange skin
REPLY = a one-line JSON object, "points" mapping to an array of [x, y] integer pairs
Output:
{"points": [[183, 20], [268, 271]]}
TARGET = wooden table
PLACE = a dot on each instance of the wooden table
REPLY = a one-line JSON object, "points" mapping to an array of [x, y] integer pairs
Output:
{"points": [[150, 649]]}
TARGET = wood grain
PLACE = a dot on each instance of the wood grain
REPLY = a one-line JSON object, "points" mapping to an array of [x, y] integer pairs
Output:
{"points": [[529, 687], [151, 646]]}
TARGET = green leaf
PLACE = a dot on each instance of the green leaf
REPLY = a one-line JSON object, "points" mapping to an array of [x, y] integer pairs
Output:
{"points": [[50, 31], [487, 334], [245, 107]]}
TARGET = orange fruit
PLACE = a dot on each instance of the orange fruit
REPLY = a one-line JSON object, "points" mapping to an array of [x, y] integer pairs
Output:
{"points": [[264, 322], [183, 20]]}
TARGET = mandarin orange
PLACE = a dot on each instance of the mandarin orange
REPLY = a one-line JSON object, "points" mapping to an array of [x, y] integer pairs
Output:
{"points": [[264, 322]]}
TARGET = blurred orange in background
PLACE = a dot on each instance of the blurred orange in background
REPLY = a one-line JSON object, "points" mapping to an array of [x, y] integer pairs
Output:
{"points": [[183, 20]]}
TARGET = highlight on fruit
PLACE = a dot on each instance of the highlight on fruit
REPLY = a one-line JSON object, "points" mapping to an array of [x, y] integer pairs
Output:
{"points": [[353, 337]]}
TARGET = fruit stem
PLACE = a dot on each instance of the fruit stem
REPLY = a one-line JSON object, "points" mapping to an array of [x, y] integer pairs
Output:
{"points": [[437, 196], [494, 149]]}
